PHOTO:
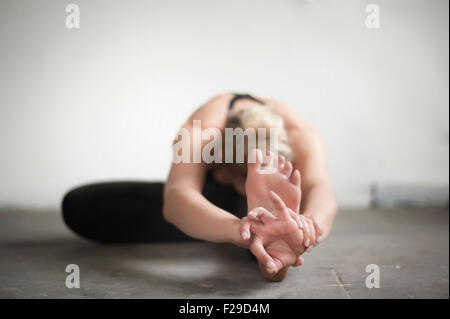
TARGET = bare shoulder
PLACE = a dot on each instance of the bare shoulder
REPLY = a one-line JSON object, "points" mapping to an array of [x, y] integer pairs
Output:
{"points": [[298, 128], [214, 112]]}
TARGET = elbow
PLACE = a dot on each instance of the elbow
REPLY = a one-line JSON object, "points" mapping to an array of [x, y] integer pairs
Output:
{"points": [[172, 207], [174, 204], [167, 210], [335, 208]]}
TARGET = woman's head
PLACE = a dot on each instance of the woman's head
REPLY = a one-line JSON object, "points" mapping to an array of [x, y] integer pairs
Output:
{"points": [[254, 118]]}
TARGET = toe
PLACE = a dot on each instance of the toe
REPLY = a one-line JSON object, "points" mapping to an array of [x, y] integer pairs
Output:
{"points": [[296, 178], [255, 159], [281, 162], [269, 159], [287, 170]]}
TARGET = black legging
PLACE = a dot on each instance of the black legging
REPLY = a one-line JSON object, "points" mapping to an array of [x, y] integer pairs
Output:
{"points": [[131, 212]]}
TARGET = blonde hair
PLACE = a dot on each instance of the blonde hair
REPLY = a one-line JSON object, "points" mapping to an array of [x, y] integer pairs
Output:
{"points": [[254, 118]]}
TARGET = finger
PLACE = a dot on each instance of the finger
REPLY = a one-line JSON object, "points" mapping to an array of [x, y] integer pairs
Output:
{"points": [[306, 231], [244, 228], [312, 235], [299, 261], [260, 253], [296, 217], [255, 159], [269, 159], [258, 229], [281, 162], [279, 205], [260, 213], [296, 179], [319, 239], [287, 170], [318, 230]]}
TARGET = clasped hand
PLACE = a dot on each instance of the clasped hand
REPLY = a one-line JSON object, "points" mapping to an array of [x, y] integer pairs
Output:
{"points": [[278, 238]]}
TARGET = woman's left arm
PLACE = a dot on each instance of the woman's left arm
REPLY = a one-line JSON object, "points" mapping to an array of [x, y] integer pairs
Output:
{"points": [[318, 199]]}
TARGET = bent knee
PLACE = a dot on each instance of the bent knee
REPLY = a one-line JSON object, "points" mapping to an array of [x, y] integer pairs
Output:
{"points": [[69, 209]]}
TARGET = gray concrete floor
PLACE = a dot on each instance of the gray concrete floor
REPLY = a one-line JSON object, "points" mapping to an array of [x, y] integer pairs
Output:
{"points": [[411, 248]]}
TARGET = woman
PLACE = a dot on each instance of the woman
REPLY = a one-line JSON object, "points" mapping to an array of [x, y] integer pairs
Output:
{"points": [[210, 201]]}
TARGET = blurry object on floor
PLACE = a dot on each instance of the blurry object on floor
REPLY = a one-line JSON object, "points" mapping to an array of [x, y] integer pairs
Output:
{"points": [[408, 195]]}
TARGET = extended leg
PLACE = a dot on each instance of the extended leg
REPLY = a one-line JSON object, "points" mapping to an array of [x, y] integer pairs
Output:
{"points": [[120, 212]]}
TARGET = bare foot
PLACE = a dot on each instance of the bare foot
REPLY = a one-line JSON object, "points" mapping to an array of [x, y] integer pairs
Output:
{"points": [[258, 185]]}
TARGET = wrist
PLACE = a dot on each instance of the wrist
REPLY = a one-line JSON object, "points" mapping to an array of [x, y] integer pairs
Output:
{"points": [[322, 220], [234, 237]]}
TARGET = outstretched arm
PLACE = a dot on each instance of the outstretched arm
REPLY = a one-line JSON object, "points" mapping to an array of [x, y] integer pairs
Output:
{"points": [[318, 199], [184, 205]]}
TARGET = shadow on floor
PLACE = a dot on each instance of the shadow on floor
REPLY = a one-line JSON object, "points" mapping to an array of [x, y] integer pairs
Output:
{"points": [[187, 268]]}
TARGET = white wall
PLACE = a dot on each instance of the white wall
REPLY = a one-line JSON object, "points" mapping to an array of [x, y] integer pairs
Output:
{"points": [[102, 102]]}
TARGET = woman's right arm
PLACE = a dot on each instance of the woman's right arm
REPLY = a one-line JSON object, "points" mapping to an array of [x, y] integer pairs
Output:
{"points": [[184, 205], [197, 217]]}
